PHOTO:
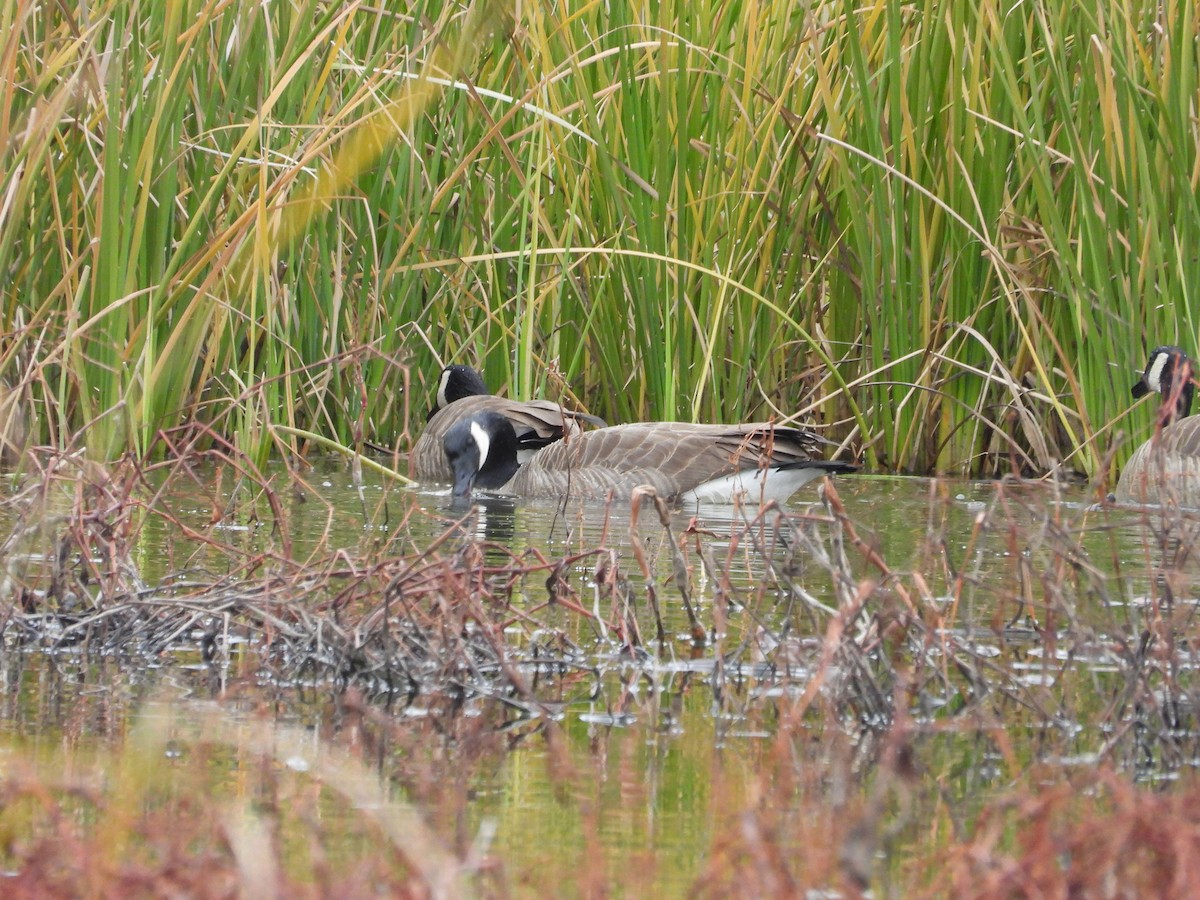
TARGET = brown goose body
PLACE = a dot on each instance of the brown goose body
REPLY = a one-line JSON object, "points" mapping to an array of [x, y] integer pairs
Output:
{"points": [[1166, 468], [682, 461], [537, 423]]}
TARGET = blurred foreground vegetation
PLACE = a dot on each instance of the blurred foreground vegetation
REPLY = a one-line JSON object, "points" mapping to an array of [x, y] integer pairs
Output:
{"points": [[947, 230]]}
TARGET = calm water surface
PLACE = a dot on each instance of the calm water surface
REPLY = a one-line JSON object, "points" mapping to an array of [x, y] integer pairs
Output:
{"points": [[660, 749]]}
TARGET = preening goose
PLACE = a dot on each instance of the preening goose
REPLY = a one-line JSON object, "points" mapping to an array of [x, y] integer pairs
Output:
{"points": [[461, 394], [709, 463], [1166, 467]]}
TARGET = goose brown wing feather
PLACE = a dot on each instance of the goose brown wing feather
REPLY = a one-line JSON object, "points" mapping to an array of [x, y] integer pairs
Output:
{"points": [[673, 457], [545, 418], [1165, 468]]}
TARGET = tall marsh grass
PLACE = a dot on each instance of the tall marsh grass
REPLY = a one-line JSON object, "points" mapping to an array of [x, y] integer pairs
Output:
{"points": [[950, 230]]}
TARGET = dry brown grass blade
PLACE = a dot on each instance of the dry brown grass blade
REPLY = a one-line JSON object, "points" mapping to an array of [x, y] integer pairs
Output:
{"points": [[440, 870]]}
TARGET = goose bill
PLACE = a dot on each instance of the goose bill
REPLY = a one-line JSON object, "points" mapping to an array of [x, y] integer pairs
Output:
{"points": [[465, 471]]}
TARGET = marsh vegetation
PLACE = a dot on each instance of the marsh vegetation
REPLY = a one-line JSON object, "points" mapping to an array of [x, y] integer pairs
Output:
{"points": [[237, 235], [948, 232]]}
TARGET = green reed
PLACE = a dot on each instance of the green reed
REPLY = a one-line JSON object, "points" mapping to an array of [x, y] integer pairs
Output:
{"points": [[949, 229]]}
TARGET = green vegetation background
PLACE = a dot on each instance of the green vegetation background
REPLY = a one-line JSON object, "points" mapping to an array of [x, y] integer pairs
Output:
{"points": [[950, 230]]}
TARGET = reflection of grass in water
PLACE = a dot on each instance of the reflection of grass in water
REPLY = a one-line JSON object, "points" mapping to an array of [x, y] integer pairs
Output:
{"points": [[208, 804], [838, 701]]}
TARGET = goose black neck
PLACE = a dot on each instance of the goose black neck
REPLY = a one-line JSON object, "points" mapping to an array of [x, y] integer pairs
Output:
{"points": [[1183, 400]]}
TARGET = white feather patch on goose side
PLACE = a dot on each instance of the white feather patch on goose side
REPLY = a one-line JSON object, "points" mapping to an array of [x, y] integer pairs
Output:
{"points": [[754, 485]]}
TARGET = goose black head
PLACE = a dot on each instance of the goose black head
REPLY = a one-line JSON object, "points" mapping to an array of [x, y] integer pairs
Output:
{"points": [[455, 383], [1169, 373], [482, 452]]}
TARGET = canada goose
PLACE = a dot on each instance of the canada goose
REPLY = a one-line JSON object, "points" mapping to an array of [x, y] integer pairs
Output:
{"points": [[455, 383], [461, 394], [709, 463], [1166, 467]]}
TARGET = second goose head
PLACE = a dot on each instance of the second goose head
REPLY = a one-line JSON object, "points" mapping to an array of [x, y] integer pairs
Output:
{"points": [[1169, 373], [455, 383]]}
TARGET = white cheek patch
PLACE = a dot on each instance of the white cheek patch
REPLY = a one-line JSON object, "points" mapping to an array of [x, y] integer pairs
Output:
{"points": [[1155, 372], [482, 441], [442, 385]]}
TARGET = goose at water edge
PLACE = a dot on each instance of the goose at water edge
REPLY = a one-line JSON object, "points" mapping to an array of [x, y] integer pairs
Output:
{"points": [[461, 394], [1167, 466], [681, 461]]}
